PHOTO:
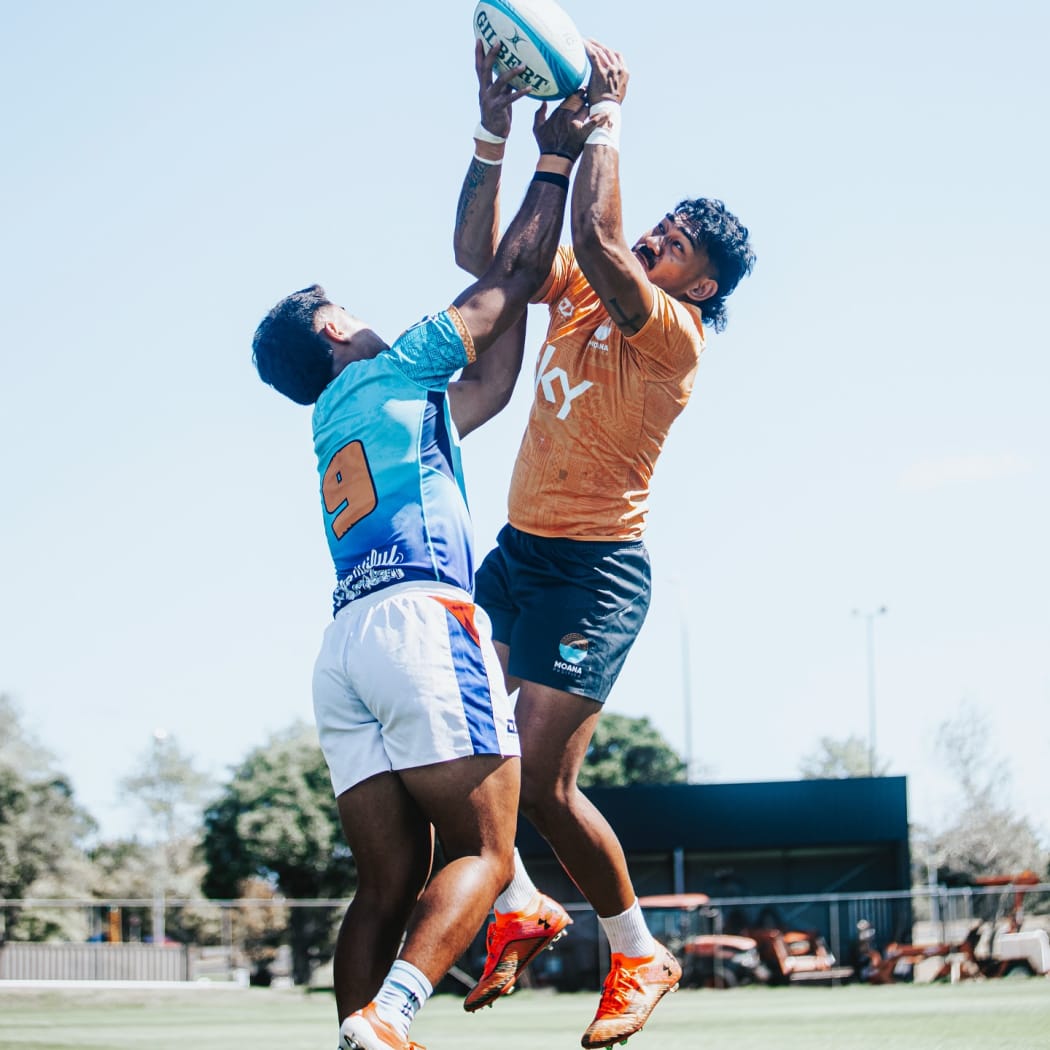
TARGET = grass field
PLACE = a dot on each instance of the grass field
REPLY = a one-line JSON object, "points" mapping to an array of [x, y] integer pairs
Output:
{"points": [[992, 1015]]}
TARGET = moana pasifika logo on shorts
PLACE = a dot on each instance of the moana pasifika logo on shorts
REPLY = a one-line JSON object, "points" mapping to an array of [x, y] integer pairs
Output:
{"points": [[573, 648]]}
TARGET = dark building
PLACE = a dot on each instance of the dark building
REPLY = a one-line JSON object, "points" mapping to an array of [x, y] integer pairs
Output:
{"points": [[742, 844], [763, 839]]}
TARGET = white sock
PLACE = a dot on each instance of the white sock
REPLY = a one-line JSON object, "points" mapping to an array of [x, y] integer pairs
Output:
{"points": [[628, 935], [520, 893], [403, 994]]}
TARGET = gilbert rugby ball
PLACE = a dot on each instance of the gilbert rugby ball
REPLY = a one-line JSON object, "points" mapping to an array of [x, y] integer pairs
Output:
{"points": [[538, 35]]}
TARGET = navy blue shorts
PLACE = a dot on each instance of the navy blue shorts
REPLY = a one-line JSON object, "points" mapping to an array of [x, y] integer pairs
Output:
{"points": [[569, 610]]}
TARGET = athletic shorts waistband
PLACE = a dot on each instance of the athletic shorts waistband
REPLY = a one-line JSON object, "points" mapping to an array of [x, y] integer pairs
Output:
{"points": [[445, 590], [572, 543]]}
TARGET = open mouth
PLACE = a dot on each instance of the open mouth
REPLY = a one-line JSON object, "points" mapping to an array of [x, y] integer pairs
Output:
{"points": [[646, 256]]}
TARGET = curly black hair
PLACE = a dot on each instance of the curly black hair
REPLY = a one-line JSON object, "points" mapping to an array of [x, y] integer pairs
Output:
{"points": [[710, 225], [287, 350]]}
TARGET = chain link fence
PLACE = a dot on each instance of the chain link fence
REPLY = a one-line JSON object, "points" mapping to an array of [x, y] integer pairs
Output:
{"points": [[253, 940]]}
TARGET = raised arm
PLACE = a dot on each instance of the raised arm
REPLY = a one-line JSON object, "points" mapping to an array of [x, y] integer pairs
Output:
{"points": [[601, 250], [523, 259], [486, 386], [476, 232]]}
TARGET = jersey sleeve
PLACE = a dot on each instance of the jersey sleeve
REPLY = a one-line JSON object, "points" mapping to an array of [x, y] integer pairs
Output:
{"points": [[671, 341], [561, 273], [433, 350]]}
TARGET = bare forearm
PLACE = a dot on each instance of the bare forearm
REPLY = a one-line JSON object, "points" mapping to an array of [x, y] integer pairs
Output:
{"points": [[527, 249], [485, 387], [597, 212], [601, 249], [477, 217]]}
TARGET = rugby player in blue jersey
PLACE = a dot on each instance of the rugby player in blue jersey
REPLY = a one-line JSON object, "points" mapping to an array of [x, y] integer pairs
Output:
{"points": [[411, 709]]}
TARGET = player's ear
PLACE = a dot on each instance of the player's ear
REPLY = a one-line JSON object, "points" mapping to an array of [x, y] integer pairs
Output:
{"points": [[334, 331], [705, 288], [337, 326]]}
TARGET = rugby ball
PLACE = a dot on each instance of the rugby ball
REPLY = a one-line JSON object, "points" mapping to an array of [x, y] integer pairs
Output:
{"points": [[538, 35]]}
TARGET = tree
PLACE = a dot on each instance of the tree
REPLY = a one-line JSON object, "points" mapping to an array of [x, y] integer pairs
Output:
{"points": [[629, 751], [985, 837], [276, 820], [840, 759], [41, 827], [168, 789]]}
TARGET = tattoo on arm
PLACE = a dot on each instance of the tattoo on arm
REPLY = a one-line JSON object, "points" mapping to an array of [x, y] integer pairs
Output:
{"points": [[475, 176], [628, 323]]}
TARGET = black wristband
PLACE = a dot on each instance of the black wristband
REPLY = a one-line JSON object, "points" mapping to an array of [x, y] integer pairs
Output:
{"points": [[552, 177]]}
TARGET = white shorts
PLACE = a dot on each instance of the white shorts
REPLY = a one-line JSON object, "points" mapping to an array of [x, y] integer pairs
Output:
{"points": [[408, 677]]}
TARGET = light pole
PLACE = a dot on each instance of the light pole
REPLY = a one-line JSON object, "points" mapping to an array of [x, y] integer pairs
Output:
{"points": [[869, 621], [687, 678], [160, 737], [687, 684]]}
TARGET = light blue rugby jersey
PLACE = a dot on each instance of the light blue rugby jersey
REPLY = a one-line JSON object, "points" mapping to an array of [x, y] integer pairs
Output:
{"points": [[392, 493]]}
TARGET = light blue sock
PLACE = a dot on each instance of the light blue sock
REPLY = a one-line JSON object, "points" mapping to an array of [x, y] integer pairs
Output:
{"points": [[403, 994]]}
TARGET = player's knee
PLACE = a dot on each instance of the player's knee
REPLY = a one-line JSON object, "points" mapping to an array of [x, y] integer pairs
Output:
{"points": [[543, 801], [393, 890], [388, 911]]}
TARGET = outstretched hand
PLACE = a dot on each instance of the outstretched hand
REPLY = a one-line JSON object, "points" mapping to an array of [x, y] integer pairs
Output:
{"points": [[495, 96], [566, 130], [609, 74]]}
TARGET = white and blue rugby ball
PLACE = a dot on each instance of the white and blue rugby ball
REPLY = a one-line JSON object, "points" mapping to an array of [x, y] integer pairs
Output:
{"points": [[538, 35]]}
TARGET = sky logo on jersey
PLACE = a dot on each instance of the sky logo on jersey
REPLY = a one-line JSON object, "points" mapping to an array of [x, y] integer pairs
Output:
{"points": [[546, 380], [573, 647]]}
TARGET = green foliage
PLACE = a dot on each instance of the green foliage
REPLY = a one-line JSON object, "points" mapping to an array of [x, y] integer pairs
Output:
{"points": [[41, 827], [841, 759], [168, 788], [985, 836], [277, 820], [627, 751]]}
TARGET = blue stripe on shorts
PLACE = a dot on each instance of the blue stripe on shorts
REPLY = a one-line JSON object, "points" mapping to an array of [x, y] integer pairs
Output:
{"points": [[472, 675]]}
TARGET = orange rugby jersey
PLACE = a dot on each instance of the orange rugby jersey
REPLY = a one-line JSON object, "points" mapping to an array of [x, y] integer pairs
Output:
{"points": [[602, 409]]}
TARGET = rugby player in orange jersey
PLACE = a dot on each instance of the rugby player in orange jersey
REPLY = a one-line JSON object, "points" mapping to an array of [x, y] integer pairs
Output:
{"points": [[567, 586]]}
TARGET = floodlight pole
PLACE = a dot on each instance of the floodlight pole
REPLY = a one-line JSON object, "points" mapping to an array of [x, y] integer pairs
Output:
{"points": [[687, 678], [161, 863], [687, 684], [869, 621]]}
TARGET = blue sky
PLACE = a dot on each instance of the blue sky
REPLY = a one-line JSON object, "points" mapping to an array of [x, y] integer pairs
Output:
{"points": [[870, 430]]}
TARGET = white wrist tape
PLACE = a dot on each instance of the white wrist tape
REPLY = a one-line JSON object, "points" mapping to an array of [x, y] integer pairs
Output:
{"points": [[482, 134], [609, 135], [487, 160]]}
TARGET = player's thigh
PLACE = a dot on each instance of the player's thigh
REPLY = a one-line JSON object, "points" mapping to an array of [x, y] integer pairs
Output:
{"points": [[388, 834], [349, 732], [472, 803], [503, 655], [426, 668], [493, 589], [580, 608], [555, 729]]}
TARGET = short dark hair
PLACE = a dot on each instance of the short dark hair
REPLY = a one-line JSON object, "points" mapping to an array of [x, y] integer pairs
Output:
{"points": [[289, 352], [710, 225]]}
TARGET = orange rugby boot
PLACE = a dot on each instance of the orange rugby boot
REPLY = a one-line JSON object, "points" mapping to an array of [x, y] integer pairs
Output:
{"points": [[513, 941], [366, 1030], [632, 989]]}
